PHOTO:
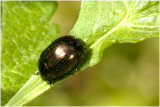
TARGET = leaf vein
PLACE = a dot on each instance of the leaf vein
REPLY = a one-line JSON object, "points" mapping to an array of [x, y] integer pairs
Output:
{"points": [[109, 32]]}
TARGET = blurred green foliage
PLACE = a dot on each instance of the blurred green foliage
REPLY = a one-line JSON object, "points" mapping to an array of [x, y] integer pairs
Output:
{"points": [[127, 74]]}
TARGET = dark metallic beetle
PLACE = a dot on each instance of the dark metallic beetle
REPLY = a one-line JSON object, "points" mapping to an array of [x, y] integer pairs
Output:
{"points": [[61, 58]]}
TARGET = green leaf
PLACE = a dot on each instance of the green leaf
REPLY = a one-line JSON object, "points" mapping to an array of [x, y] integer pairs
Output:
{"points": [[26, 31], [102, 23]]}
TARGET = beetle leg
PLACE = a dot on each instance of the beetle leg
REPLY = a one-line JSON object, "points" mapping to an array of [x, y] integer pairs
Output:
{"points": [[71, 73], [51, 84], [36, 73]]}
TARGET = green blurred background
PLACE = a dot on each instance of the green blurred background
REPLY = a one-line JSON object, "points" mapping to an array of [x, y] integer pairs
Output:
{"points": [[128, 74]]}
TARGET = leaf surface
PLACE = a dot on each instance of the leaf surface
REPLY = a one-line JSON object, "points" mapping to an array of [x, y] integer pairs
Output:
{"points": [[26, 31], [102, 23]]}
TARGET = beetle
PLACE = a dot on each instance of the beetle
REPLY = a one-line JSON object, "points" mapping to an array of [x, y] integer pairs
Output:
{"points": [[61, 58]]}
